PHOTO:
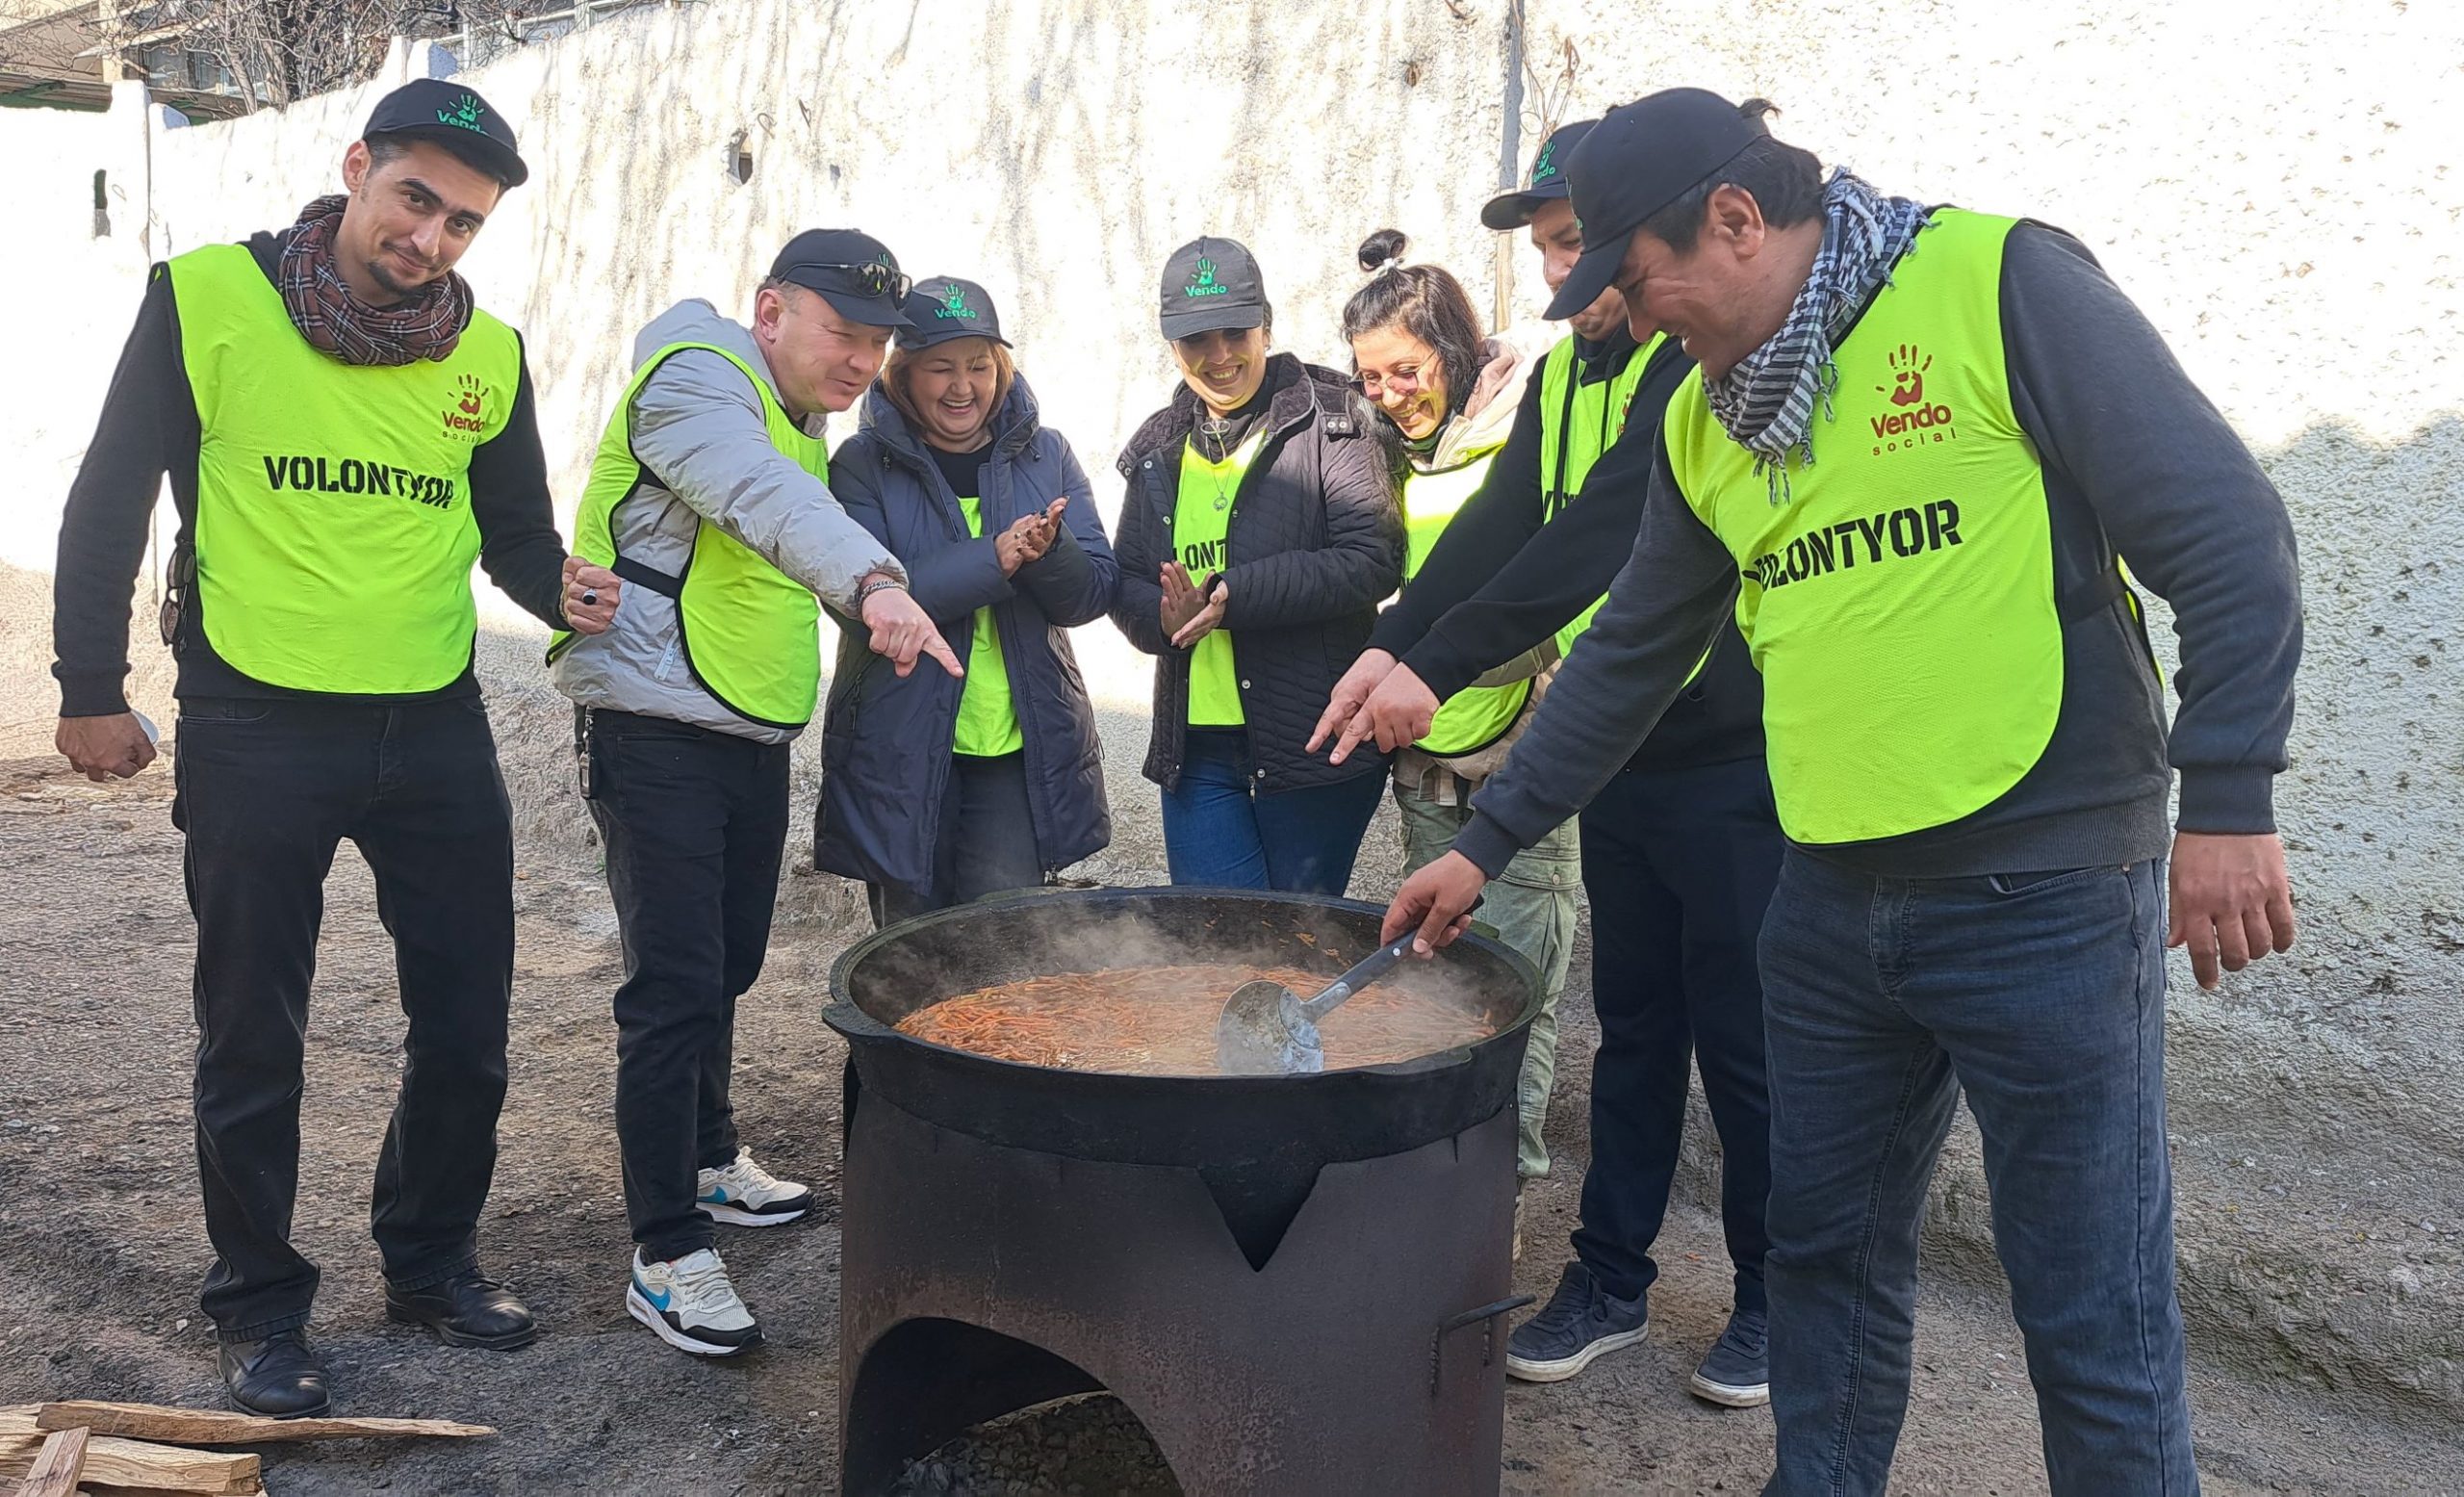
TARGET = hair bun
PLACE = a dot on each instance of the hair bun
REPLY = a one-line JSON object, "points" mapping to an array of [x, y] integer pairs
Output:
{"points": [[1383, 250]]}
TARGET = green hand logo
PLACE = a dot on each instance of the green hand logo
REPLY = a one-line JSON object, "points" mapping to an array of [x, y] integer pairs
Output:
{"points": [[466, 114], [954, 304], [1204, 282], [1547, 166]]}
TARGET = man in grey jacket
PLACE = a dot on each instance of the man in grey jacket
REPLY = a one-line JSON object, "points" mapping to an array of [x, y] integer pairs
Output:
{"points": [[1921, 441], [710, 494]]}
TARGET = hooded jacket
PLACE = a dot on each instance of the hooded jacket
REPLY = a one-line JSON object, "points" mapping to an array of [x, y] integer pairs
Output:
{"points": [[698, 431], [1316, 541], [886, 740]]}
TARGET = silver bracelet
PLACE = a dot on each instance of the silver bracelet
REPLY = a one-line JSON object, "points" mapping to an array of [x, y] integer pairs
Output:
{"points": [[875, 585]]}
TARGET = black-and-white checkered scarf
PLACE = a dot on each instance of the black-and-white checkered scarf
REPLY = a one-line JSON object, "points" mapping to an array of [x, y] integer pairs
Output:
{"points": [[1768, 401]]}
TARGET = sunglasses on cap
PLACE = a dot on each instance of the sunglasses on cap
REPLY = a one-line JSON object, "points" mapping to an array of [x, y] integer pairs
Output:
{"points": [[870, 278]]}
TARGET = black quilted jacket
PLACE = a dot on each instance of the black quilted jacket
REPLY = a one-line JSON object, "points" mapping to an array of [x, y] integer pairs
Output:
{"points": [[1316, 544]]}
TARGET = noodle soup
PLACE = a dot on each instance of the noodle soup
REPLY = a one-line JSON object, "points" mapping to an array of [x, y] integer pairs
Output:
{"points": [[1160, 1021]]}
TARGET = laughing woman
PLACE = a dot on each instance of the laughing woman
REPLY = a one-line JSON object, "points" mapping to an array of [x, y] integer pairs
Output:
{"points": [[1257, 537], [935, 791], [1417, 347]]}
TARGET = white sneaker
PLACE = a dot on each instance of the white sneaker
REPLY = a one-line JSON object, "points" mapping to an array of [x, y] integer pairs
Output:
{"points": [[691, 1304], [745, 1195]]}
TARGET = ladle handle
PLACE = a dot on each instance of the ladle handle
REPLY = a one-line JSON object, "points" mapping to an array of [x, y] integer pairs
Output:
{"points": [[1377, 964]]}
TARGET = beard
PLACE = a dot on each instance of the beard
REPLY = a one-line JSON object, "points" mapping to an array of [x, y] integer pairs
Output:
{"points": [[380, 270]]}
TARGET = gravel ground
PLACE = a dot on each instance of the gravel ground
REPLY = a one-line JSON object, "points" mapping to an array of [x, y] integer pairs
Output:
{"points": [[101, 1244]]}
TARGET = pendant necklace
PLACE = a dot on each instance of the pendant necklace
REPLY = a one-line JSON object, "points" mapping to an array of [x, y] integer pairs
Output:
{"points": [[1219, 431]]}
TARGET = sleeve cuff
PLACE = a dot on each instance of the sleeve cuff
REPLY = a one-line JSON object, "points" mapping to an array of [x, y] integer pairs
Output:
{"points": [[1392, 633], [92, 695], [1441, 669], [1487, 843], [2228, 802]]}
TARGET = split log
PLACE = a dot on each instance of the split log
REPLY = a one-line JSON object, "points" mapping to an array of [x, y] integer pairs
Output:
{"points": [[57, 1466], [112, 1462], [216, 1427]]}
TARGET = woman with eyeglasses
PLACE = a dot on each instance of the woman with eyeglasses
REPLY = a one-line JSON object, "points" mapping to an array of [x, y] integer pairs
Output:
{"points": [[1257, 537], [935, 791], [1451, 397]]}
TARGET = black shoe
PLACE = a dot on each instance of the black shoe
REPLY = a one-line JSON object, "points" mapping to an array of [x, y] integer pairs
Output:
{"points": [[280, 1378], [468, 1309], [1737, 1372], [1580, 1323]]}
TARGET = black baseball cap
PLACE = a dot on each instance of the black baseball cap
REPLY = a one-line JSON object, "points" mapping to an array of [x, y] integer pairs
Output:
{"points": [[943, 308], [1548, 184], [1211, 284], [851, 270], [454, 117], [1638, 159]]}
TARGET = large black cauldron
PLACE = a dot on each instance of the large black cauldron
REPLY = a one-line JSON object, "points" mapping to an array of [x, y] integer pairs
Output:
{"points": [[1296, 1283]]}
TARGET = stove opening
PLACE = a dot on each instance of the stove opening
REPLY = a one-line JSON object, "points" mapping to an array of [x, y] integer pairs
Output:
{"points": [[942, 1408]]}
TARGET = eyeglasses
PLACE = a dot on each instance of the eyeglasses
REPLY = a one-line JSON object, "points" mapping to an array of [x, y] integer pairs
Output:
{"points": [[871, 279], [1403, 381]]}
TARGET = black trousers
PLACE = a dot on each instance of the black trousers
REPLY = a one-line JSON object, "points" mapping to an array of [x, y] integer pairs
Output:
{"points": [[694, 822], [1680, 866], [985, 842], [266, 791]]}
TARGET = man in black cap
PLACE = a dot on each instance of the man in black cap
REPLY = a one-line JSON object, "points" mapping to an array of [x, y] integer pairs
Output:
{"points": [[1679, 851], [710, 494], [344, 432], [1922, 440]]}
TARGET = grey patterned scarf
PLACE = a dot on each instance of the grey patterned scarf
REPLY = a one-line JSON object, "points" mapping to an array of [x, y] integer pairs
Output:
{"points": [[1766, 403]]}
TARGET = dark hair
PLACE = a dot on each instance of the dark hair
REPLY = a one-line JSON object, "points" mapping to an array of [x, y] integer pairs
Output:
{"points": [[394, 145], [1786, 181], [1424, 300]]}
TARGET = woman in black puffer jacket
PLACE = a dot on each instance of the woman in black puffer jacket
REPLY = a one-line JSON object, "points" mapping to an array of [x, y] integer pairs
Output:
{"points": [[1259, 534]]}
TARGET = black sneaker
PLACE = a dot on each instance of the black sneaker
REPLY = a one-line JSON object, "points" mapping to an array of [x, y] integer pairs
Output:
{"points": [[1737, 1372], [1580, 1323]]}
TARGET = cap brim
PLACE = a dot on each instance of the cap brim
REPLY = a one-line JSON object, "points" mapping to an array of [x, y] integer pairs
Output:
{"points": [[485, 152], [1513, 210], [1595, 273], [921, 336], [871, 311], [1211, 319]]}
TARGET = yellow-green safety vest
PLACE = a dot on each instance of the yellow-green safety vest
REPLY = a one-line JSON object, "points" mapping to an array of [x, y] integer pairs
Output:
{"points": [[1475, 716], [333, 533], [751, 633], [1578, 424], [987, 724], [1201, 538], [1900, 599]]}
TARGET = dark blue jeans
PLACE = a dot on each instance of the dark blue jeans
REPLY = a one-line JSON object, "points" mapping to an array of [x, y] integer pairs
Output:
{"points": [[2041, 995], [1219, 834]]}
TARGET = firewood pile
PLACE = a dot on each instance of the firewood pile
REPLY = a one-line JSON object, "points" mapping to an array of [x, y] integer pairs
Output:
{"points": [[148, 1450]]}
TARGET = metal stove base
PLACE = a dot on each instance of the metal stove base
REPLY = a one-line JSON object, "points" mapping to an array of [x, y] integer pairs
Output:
{"points": [[1367, 1354]]}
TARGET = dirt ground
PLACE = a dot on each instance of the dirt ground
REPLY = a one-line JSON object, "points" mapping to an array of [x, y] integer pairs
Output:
{"points": [[101, 1244]]}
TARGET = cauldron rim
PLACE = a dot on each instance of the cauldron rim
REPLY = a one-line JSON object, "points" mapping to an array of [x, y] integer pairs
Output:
{"points": [[851, 1019]]}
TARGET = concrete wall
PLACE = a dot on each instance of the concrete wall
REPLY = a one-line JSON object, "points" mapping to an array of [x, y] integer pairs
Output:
{"points": [[2275, 184]]}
